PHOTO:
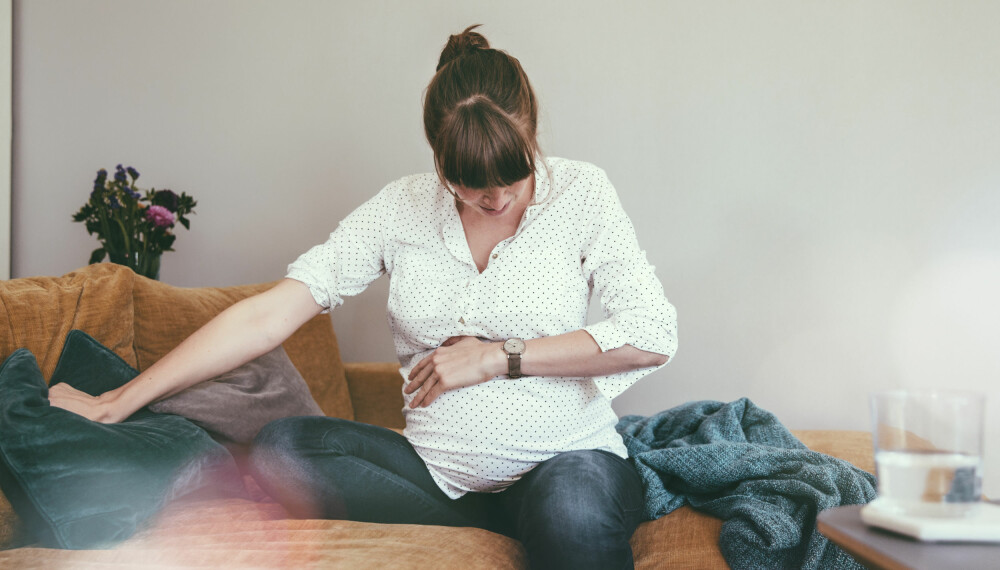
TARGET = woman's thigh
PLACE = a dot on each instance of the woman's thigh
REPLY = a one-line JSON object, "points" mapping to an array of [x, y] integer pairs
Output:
{"points": [[334, 468]]}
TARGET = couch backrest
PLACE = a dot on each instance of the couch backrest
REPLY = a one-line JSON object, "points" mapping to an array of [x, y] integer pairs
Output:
{"points": [[165, 315], [37, 312], [141, 320]]}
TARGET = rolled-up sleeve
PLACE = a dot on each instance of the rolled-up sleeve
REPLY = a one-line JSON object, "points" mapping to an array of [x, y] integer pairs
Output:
{"points": [[636, 311], [351, 258]]}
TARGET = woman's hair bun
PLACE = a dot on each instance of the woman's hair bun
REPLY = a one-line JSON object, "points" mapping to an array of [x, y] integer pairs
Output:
{"points": [[462, 44]]}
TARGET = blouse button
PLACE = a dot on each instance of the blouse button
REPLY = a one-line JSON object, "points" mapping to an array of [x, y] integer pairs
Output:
{"points": [[461, 320], [496, 255]]}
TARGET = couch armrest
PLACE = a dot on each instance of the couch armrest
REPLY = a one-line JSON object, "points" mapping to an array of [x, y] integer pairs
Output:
{"points": [[688, 539], [850, 445], [376, 392]]}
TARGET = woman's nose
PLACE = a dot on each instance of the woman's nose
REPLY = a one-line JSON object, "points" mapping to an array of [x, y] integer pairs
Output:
{"points": [[491, 197]]}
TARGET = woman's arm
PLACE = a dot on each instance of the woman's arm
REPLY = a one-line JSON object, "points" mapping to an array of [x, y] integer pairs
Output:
{"points": [[237, 335], [465, 361], [577, 354], [638, 330]]}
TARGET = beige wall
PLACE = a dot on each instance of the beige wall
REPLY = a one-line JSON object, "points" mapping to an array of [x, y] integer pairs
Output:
{"points": [[6, 31], [816, 182]]}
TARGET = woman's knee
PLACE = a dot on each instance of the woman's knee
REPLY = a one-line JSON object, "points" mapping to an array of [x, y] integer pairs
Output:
{"points": [[280, 432], [587, 478], [284, 441], [583, 507]]}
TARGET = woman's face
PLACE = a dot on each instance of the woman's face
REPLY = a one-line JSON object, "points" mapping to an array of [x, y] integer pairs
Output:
{"points": [[496, 202]]}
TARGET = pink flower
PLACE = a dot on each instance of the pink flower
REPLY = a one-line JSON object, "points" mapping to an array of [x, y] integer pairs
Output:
{"points": [[160, 216]]}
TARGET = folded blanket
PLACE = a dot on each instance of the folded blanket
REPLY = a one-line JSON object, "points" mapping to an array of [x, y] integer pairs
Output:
{"points": [[738, 463]]}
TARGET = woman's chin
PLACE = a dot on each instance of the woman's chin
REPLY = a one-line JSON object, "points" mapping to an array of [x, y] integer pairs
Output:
{"points": [[495, 213]]}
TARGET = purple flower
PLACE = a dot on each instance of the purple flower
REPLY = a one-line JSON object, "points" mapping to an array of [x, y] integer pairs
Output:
{"points": [[160, 216], [132, 172], [102, 175], [133, 193], [114, 203], [120, 174], [166, 198]]}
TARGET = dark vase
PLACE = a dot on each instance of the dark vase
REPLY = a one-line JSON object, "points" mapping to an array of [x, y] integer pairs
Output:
{"points": [[149, 266], [145, 265]]}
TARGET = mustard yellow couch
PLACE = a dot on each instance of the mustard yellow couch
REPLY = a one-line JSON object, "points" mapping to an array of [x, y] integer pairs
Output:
{"points": [[141, 320]]}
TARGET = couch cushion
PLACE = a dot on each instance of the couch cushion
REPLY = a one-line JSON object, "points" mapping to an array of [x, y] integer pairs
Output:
{"points": [[683, 539], [236, 405], [244, 534], [239, 533], [82, 484], [36, 313], [165, 315]]}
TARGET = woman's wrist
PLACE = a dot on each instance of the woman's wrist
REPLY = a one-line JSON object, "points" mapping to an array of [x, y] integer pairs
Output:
{"points": [[110, 406], [497, 365]]}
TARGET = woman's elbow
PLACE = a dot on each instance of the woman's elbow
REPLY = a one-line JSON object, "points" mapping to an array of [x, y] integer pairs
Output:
{"points": [[656, 359], [639, 358]]}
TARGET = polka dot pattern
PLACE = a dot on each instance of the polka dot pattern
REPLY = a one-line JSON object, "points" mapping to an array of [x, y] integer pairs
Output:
{"points": [[574, 241]]}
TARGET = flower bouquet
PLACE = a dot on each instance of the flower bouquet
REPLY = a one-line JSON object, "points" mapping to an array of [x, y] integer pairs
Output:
{"points": [[134, 228]]}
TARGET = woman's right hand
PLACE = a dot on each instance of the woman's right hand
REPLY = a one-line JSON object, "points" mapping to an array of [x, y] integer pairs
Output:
{"points": [[93, 408]]}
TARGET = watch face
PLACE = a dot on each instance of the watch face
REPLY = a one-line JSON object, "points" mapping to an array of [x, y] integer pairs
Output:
{"points": [[513, 346]]}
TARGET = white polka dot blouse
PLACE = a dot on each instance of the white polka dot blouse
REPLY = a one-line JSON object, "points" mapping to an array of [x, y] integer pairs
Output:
{"points": [[574, 241]]}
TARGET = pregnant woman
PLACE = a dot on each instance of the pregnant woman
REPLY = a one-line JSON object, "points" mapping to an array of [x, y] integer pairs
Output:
{"points": [[493, 259]]}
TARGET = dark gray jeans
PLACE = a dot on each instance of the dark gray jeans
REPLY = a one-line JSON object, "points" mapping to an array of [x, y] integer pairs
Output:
{"points": [[575, 510]]}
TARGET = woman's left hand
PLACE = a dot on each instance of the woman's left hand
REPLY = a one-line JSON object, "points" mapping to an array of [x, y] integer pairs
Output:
{"points": [[459, 361]]}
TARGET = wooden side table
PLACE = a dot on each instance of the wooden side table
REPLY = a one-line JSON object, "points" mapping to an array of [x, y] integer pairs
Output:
{"points": [[877, 548]]}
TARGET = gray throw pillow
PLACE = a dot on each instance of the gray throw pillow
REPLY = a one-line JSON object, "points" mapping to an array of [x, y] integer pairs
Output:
{"points": [[236, 405]]}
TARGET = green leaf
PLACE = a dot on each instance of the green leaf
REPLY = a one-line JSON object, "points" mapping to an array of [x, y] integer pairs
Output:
{"points": [[184, 222], [97, 255]]}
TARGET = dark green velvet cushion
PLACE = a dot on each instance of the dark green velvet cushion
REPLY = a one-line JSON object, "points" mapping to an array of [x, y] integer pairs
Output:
{"points": [[82, 484]]}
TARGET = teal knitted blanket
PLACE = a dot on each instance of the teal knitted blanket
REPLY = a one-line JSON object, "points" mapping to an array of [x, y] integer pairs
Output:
{"points": [[738, 463]]}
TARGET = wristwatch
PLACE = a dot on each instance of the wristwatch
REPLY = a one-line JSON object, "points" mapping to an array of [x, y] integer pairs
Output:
{"points": [[514, 348]]}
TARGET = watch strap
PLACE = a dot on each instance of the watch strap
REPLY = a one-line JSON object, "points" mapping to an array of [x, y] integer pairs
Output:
{"points": [[513, 365]]}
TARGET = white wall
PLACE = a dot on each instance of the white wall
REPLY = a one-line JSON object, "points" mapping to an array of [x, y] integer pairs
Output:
{"points": [[816, 182]]}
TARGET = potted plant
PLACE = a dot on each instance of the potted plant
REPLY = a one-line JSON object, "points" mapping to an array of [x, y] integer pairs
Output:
{"points": [[134, 227]]}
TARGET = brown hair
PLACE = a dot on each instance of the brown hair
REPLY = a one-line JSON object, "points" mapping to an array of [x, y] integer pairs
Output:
{"points": [[480, 115]]}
